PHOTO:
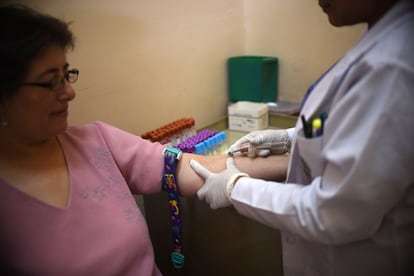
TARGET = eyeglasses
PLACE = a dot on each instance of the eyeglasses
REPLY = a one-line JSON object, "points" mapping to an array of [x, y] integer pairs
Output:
{"points": [[57, 84]]}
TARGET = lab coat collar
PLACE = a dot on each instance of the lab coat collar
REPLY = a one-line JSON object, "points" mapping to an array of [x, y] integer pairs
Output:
{"points": [[325, 90]]}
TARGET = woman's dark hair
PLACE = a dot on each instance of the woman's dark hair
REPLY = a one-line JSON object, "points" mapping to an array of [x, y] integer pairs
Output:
{"points": [[24, 35]]}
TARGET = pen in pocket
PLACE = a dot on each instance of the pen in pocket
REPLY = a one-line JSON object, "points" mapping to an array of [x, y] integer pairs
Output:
{"points": [[307, 127], [322, 116], [317, 127]]}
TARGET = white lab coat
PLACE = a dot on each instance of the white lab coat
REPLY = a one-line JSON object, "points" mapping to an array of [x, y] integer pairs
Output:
{"points": [[350, 209]]}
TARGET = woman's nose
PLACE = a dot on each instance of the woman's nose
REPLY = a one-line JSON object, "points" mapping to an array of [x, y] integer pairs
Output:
{"points": [[68, 92]]}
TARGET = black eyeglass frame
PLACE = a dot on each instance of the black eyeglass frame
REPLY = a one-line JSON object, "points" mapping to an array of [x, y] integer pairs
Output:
{"points": [[57, 83]]}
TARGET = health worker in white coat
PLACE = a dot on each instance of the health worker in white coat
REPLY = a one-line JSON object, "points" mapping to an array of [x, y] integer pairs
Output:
{"points": [[347, 207]]}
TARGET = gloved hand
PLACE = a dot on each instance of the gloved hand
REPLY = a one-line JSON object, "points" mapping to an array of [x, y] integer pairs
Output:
{"points": [[272, 141], [217, 187]]}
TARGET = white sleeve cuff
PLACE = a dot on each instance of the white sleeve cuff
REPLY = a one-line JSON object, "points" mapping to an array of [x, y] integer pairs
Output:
{"points": [[232, 181], [291, 132]]}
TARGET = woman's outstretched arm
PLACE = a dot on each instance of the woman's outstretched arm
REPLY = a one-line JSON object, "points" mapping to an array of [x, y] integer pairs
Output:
{"points": [[273, 167]]}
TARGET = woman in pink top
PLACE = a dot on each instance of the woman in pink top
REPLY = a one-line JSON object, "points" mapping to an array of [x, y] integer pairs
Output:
{"points": [[66, 204]]}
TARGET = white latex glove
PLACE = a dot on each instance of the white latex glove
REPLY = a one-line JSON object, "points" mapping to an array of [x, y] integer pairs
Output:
{"points": [[264, 142], [217, 187]]}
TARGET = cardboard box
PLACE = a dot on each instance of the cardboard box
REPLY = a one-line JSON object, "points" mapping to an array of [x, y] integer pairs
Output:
{"points": [[248, 116]]}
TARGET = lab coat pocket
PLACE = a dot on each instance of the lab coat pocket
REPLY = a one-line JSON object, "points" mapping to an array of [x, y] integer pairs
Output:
{"points": [[310, 151]]}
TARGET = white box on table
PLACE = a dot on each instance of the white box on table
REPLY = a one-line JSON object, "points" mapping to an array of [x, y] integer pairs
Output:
{"points": [[248, 116]]}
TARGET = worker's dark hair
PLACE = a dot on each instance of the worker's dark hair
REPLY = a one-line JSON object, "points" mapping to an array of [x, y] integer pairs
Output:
{"points": [[24, 35]]}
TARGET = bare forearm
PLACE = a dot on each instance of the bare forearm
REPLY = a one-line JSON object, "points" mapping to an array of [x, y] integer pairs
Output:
{"points": [[273, 167]]}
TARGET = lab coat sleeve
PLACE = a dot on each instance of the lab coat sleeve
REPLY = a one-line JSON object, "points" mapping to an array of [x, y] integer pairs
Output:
{"points": [[291, 132], [366, 161]]}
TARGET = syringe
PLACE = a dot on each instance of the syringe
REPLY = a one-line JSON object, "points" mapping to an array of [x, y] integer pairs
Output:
{"points": [[247, 148]]}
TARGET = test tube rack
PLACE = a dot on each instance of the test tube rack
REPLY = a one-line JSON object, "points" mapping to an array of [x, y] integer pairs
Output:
{"points": [[172, 133], [181, 134]]}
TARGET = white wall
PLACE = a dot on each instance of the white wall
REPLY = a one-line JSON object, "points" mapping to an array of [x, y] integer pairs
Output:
{"points": [[299, 34], [145, 63]]}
